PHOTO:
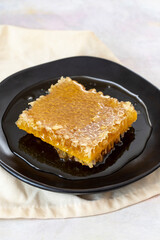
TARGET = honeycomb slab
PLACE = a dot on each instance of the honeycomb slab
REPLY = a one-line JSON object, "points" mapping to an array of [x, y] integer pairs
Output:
{"points": [[82, 125]]}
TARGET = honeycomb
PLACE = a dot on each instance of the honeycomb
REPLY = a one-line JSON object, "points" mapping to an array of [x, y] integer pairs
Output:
{"points": [[82, 125]]}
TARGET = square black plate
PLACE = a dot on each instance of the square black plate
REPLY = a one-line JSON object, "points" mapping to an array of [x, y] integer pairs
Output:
{"points": [[144, 159]]}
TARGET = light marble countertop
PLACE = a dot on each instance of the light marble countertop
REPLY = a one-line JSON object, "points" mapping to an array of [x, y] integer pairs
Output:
{"points": [[131, 29], [140, 221]]}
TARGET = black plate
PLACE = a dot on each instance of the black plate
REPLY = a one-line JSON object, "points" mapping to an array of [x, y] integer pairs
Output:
{"points": [[43, 157], [129, 162]]}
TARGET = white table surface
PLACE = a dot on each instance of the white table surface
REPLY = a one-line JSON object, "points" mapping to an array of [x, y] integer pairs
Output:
{"points": [[131, 29]]}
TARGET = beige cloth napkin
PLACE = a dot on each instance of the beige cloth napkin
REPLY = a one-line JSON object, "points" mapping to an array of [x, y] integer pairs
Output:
{"points": [[21, 48]]}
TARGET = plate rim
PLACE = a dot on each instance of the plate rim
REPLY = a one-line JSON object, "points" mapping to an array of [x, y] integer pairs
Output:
{"points": [[76, 191]]}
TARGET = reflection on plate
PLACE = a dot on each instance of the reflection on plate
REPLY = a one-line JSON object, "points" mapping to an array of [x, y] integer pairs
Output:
{"points": [[48, 159]]}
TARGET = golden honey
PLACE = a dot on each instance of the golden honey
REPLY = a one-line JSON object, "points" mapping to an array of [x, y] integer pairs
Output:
{"points": [[80, 124]]}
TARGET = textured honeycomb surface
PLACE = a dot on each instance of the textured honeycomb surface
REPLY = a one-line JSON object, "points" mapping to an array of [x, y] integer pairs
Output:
{"points": [[81, 123]]}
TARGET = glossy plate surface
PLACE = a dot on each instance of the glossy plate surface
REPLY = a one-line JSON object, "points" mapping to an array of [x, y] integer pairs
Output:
{"points": [[37, 163]]}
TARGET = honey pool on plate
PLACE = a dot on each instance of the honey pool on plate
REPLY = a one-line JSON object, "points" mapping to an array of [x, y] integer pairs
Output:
{"points": [[132, 144]]}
